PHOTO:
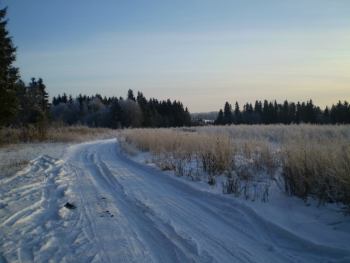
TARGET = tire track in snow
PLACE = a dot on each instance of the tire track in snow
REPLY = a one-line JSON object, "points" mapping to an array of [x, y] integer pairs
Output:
{"points": [[128, 212], [261, 235], [32, 229], [146, 235]]}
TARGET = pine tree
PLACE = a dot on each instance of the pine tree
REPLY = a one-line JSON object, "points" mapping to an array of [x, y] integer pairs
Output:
{"points": [[227, 113], [142, 101], [116, 113], [220, 119], [9, 74], [237, 114], [44, 97], [257, 117], [131, 95]]}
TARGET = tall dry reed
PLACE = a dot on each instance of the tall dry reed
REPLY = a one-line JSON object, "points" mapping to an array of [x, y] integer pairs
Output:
{"points": [[314, 159]]}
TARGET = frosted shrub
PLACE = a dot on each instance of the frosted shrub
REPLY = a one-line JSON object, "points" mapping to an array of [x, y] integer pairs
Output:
{"points": [[164, 161], [232, 184], [260, 154], [314, 160], [320, 170], [216, 154], [213, 153]]}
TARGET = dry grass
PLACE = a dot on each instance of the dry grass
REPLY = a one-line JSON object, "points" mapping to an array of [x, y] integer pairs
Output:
{"points": [[15, 157], [315, 160], [54, 134], [216, 151], [173, 149], [318, 169], [193, 153], [18, 146], [79, 134], [281, 133]]}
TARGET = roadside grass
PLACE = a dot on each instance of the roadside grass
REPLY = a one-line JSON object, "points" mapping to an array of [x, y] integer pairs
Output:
{"points": [[310, 160], [15, 157], [318, 169], [54, 133], [19, 146]]}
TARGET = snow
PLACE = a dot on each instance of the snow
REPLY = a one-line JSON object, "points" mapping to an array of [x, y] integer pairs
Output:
{"points": [[129, 211], [16, 156], [292, 213]]}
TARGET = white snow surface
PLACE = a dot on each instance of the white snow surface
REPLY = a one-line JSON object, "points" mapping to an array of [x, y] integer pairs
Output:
{"points": [[15, 157], [127, 211]]}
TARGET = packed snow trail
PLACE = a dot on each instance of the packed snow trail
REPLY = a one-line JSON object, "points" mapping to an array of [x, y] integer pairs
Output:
{"points": [[129, 212]]}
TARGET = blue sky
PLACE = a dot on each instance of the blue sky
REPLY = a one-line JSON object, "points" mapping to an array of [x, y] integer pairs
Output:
{"points": [[200, 52]]}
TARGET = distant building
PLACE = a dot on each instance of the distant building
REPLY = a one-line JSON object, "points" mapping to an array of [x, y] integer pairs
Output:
{"points": [[202, 122]]}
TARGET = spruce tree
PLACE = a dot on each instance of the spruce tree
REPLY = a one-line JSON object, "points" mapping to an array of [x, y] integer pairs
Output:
{"points": [[237, 114], [227, 113], [131, 95], [220, 119], [116, 115], [44, 97], [9, 74]]}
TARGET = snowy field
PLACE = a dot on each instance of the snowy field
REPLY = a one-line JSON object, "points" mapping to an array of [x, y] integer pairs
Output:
{"points": [[127, 210]]}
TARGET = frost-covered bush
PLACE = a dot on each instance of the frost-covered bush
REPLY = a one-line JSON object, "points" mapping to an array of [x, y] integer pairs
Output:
{"points": [[212, 153], [314, 160], [197, 155], [318, 169]]}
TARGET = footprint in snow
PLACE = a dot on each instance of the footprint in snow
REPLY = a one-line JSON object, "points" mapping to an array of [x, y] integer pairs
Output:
{"points": [[107, 213]]}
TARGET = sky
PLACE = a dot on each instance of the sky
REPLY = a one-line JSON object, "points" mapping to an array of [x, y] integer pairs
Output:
{"points": [[202, 53]]}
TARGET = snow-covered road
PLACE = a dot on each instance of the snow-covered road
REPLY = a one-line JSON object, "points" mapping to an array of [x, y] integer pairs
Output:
{"points": [[129, 212]]}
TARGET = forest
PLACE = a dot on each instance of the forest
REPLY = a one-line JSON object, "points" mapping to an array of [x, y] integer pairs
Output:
{"points": [[28, 105], [113, 112], [271, 112]]}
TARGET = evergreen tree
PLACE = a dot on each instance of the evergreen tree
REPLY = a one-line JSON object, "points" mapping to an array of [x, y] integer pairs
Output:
{"points": [[116, 114], [227, 113], [287, 113], [298, 113], [257, 112], [131, 95], [237, 114], [9, 75], [292, 112], [146, 112], [38, 105], [326, 115], [265, 112], [43, 97], [64, 98], [220, 119]]}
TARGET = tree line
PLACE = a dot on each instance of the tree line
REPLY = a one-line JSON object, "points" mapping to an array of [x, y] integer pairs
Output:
{"points": [[271, 112], [27, 106], [113, 112], [21, 105]]}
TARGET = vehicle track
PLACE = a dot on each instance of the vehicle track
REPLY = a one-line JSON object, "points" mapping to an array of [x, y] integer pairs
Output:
{"points": [[129, 212]]}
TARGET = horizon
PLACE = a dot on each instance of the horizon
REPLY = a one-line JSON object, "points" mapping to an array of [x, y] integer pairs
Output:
{"points": [[201, 53], [232, 103]]}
